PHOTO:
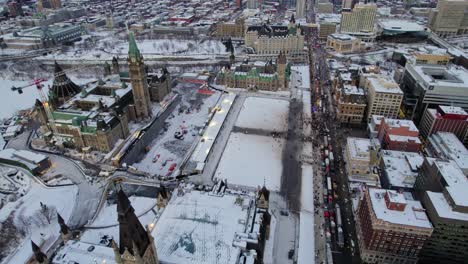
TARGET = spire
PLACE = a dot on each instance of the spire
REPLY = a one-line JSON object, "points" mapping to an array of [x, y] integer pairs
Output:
{"points": [[63, 227], [133, 50], [292, 20], [39, 256], [132, 232]]}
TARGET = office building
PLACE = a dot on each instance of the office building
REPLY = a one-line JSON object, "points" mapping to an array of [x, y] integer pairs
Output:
{"points": [[446, 145], [442, 187], [391, 227], [352, 104], [234, 29], [444, 118], [428, 86], [449, 18], [326, 29], [323, 8], [384, 95], [360, 157], [300, 8], [343, 43], [360, 21], [399, 169]]}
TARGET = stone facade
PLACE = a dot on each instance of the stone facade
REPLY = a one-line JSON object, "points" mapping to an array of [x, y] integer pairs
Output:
{"points": [[231, 29], [257, 76], [267, 39]]}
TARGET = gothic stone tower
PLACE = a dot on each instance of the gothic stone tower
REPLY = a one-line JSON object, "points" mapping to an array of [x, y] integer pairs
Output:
{"points": [[138, 80], [115, 65], [65, 231], [281, 69], [39, 256], [136, 243]]}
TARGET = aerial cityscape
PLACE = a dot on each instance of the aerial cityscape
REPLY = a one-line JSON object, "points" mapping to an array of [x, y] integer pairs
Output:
{"points": [[233, 132]]}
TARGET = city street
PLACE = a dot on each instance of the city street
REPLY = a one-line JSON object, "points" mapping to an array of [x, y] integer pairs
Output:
{"points": [[325, 126]]}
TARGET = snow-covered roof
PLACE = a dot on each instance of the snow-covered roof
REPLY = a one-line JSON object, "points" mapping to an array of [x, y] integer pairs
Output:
{"points": [[447, 145], [352, 89], [209, 136], [79, 252], [443, 208], [413, 215], [453, 110], [401, 167], [396, 123], [384, 84], [452, 76], [400, 25], [197, 228], [359, 148]]}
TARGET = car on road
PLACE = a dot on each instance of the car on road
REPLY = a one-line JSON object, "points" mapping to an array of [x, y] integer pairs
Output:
{"points": [[284, 213], [291, 253]]}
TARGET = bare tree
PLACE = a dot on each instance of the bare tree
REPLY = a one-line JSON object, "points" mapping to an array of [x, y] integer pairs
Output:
{"points": [[48, 213]]}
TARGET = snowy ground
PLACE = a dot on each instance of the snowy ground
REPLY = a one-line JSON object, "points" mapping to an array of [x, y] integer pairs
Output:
{"points": [[251, 160], [264, 113], [106, 223], [109, 47], [197, 228], [172, 150], [30, 223]]}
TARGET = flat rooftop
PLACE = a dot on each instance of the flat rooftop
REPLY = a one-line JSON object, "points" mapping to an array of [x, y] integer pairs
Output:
{"points": [[342, 37], [456, 110], [413, 215], [401, 167], [197, 228], [443, 208], [384, 84], [400, 25], [396, 123], [359, 148], [441, 75], [450, 146]]}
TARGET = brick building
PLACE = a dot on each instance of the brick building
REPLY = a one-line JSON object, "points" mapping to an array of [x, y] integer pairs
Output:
{"points": [[396, 134], [391, 228]]}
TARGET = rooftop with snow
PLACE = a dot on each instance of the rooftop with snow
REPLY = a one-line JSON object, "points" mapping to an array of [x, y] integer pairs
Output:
{"points": [[413, 214], [197, 227], [401, 168]]}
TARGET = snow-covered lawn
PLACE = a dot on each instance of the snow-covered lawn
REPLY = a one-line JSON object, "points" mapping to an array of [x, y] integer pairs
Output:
{"points": [[24, 214], [107, 219], [198, 228], [251, 160], [264, 113], [173, 46], [172, 150]]}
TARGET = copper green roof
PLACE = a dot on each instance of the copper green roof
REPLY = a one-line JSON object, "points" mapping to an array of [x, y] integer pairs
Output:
{"points": [[133, 50]]}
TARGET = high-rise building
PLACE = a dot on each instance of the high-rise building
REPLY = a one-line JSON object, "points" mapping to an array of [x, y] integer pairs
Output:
{"points": [[253, 4], [360, 162], [300, 8], [444, 118], [384, 95], [391, 228], [446, 145], [351, 104], [138, 80], [326, 7], [442, 187], [326, 29], [428, 86], [449, 18], [359, 21]]}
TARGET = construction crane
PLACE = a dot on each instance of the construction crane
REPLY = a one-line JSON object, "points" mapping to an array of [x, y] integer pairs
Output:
{"points": [[44, 100]]}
